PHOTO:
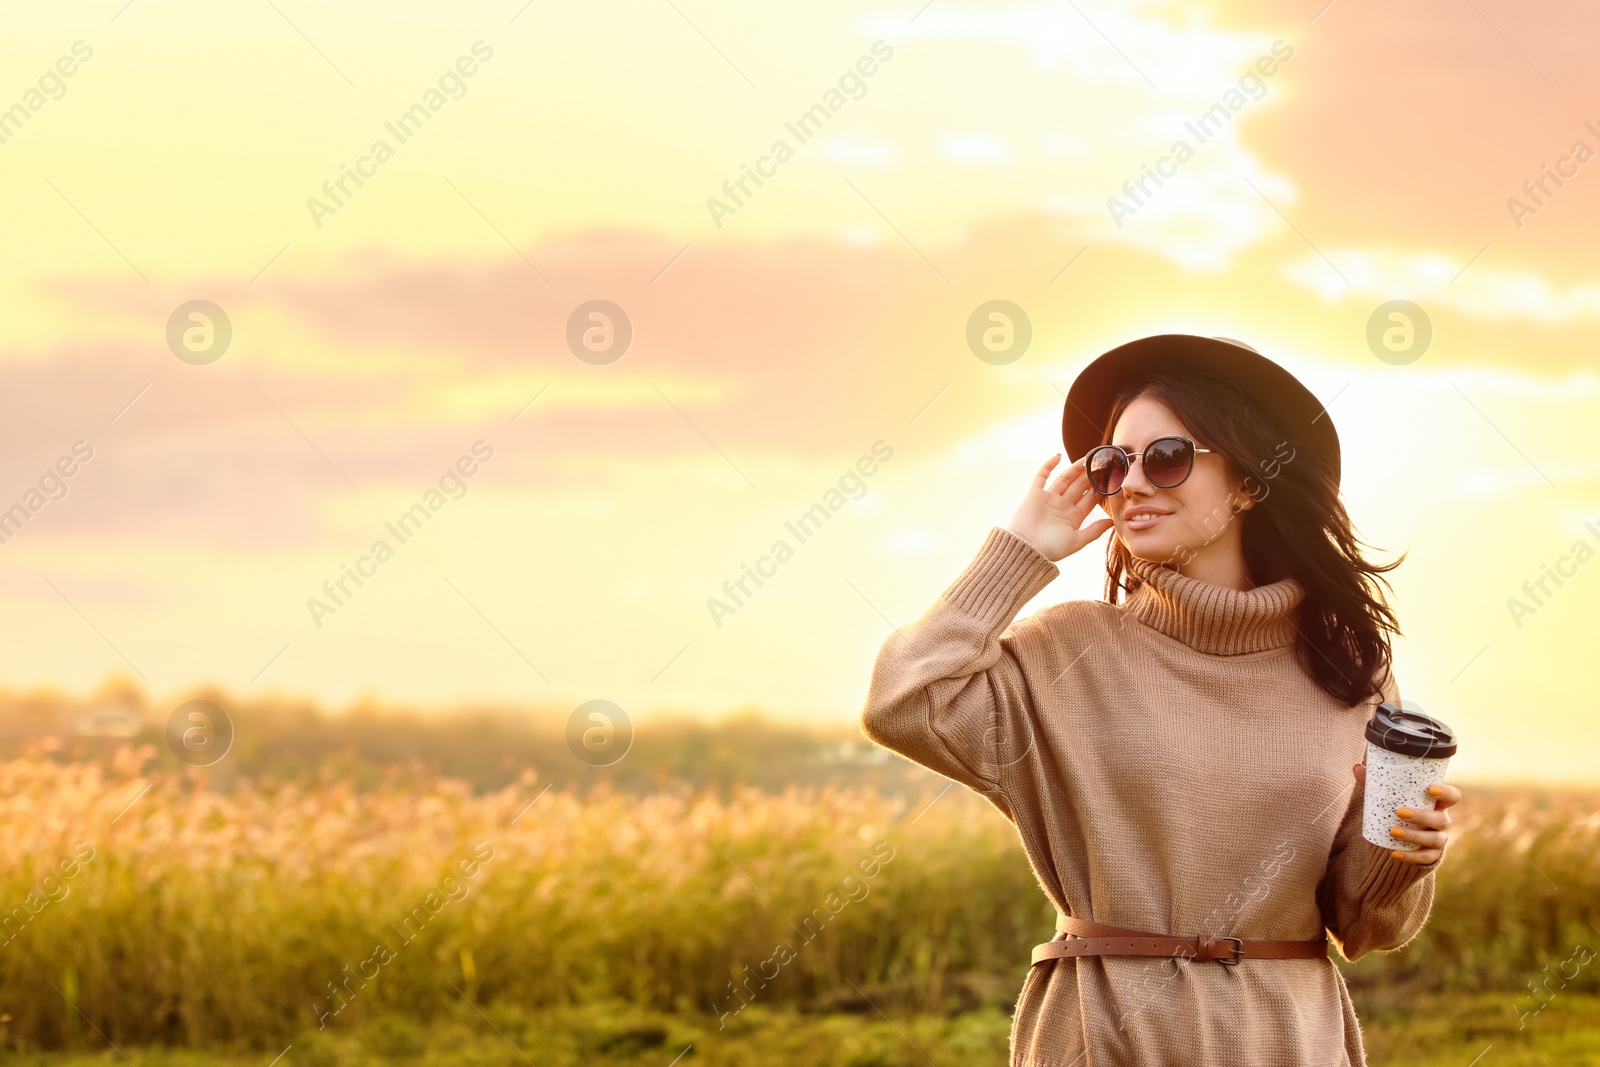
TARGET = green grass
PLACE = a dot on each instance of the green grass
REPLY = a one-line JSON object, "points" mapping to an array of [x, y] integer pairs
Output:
{"points": [[1451, 1031], [207, 917], [199, 919], [1435, 1031]]}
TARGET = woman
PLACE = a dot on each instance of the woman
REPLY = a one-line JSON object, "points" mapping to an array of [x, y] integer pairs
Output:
{"points": [[1183, 767]]}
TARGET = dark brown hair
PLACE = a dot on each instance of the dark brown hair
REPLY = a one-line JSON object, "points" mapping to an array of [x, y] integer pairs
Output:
{"points": [[1297, 529]]}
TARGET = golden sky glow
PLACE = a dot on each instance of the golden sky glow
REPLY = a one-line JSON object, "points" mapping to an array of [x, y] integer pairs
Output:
{"points": [[377, 343]]}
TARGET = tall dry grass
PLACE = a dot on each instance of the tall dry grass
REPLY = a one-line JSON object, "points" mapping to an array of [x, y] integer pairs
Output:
{"points": [[248, 915]]}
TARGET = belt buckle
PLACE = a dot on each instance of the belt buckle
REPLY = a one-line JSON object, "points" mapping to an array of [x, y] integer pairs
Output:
{"points": [[1238, 952]]}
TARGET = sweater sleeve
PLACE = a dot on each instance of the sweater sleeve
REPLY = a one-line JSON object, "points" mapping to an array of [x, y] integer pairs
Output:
{"points": [[947, 690], [1371, 901]]}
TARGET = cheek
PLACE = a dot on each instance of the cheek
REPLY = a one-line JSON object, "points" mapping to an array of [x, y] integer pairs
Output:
{"points": [[1209, 494]]}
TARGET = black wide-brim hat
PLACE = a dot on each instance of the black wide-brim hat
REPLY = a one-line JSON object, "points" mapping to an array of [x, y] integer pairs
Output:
{"points": [[1291, 408]]}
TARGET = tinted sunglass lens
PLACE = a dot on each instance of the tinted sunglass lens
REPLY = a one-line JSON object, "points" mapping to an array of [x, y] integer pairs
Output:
{"points": [[1167, 461], [1106, 468]]}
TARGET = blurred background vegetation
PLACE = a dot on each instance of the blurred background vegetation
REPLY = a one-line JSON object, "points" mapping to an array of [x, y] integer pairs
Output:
{"points": [[235, 910], [487, 746]]}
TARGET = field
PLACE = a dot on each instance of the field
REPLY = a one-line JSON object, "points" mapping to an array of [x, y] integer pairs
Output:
{"points": [[353, 914], [1453, 1032]]}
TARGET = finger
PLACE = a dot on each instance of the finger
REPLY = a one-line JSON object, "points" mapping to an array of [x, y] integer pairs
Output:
{"points": [[1077, 491], [1426, 818], [1424, 838], [1044, 471], [1074, 509], [1078, 485], [1100, 527], [1360, 771], [1445, 794], [1066, 476], [1421, 857], [1070, 494]]}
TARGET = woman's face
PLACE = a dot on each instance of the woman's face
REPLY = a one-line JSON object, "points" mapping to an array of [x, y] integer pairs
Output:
{"points": [[1194, 515]]}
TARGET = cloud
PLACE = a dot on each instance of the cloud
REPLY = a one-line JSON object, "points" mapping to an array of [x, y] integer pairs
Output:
{"points": [[1434, 278], [1504, 482], [1121, 45], [1201, 219], [861, 152], [382, 369], [976, 147], [1060, 145]]}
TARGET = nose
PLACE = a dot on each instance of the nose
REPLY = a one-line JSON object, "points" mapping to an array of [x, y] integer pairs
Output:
{"points": [[1136, 480]]}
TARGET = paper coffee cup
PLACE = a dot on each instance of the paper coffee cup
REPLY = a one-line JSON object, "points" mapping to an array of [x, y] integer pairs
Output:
{"points": [[1407, 752]]}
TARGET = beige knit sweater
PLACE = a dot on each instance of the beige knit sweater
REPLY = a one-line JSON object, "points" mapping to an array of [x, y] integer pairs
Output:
{"points": [[1169, 767]]}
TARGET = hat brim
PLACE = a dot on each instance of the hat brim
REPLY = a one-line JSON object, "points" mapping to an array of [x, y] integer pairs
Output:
{"points": [[1291, 408]]}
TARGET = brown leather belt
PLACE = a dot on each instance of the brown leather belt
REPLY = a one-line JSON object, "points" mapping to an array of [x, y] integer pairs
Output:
{"points": [[1098, 939]]}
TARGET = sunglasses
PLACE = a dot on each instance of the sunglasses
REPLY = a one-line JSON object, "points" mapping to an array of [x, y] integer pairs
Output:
{"points": [[1167, 462]]}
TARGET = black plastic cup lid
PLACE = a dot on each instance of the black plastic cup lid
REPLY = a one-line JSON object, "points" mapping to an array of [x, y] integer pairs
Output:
{"points": [[1410, 733]]}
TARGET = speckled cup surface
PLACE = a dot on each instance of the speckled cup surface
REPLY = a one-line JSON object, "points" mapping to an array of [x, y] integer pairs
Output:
{"points": [[1396, 781]]}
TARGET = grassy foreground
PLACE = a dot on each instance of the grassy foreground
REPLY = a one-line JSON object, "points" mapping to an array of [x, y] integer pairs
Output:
{"points": [[421, 920], [1442, 1032]]}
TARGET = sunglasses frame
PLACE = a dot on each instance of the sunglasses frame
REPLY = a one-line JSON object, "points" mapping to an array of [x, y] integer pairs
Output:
{"points": [[1131, 456]]}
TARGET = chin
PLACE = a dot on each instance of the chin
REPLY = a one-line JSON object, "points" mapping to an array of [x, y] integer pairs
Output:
{"points": [[1157, 550]]}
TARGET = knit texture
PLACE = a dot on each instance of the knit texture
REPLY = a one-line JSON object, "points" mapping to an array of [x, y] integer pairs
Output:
{"points": [[1169, 767]]}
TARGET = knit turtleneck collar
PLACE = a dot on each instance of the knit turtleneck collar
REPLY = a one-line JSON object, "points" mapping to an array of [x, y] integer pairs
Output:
{"points": [[1210, 618]]}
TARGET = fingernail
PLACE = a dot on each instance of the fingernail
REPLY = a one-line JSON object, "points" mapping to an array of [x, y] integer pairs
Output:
{"points": [[1434, 791], [1398, 855], [1404, 813], [1397, 831]]}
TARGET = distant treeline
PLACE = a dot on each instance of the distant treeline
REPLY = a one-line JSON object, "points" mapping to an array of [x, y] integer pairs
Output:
{"points": [[488, 746]]}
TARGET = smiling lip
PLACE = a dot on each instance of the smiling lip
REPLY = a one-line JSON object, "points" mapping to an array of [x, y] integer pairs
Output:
{"points": [[1144, 524]]}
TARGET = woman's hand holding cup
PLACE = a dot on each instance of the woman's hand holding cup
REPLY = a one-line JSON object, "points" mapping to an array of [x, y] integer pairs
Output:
{"points": [[1424, 828], [1050, 518]]}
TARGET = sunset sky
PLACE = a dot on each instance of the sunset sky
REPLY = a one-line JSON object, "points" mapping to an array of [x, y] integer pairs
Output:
{"points": [[380, 334]]}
